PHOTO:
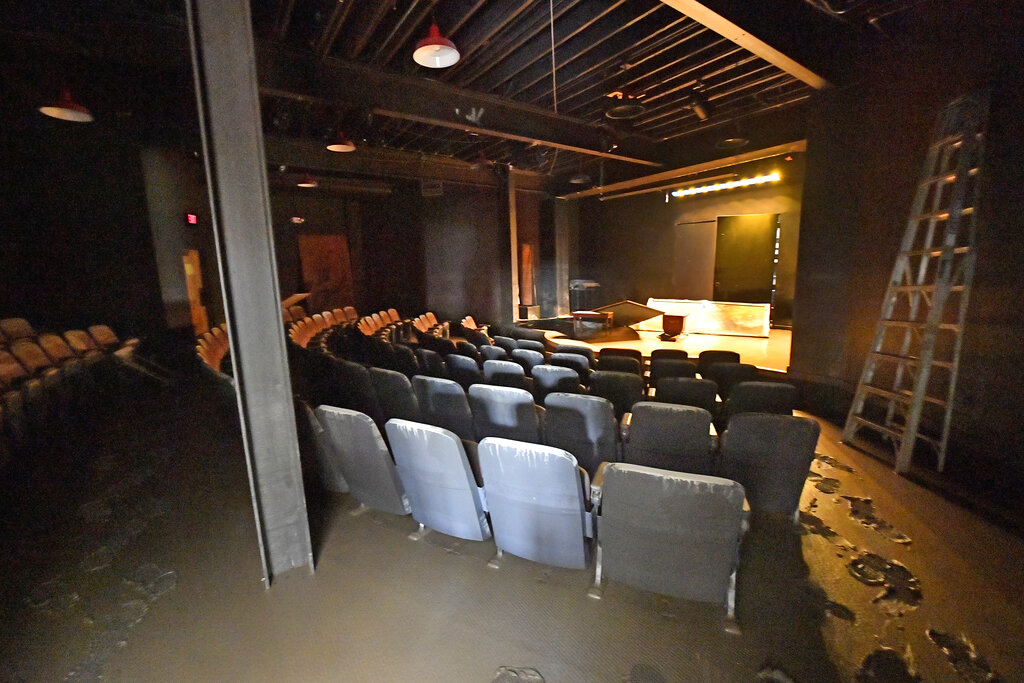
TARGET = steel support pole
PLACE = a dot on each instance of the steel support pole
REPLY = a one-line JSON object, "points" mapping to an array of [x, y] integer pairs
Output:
{"points": [[223, 58]]}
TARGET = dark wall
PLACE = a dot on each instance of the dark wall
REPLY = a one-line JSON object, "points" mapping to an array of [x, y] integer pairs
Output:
{"points": [[76, 247], [865, 146], [631, 246], [467, 256]]}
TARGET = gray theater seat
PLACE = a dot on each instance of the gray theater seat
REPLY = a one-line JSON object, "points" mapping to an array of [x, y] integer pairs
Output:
{"points": [[583, 425], [505, 412], [551, 378], [463, 370], [493, 352], [364, 460], [671, 533], [776, 398], [394, 394], [687, 391], [504, 373], [438, 479], [443, 403], [535, 495], [527, 359], [574, 361], [771, 456], [507, 343], [328, 461], [670, 437], [623, 389]]}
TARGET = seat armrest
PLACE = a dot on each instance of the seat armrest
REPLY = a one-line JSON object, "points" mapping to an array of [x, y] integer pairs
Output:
{"points": [[596, 484]]}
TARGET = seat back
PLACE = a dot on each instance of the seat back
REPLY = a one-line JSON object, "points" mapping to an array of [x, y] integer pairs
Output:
{"points": [[12, 372], [669, 532], [670, 437], [463, 370], [687, 391], [443, 403], [80, 341], [55, 348], [674, 354], [728, 375], [364, 460], [771, 456], [504, 412], [535, 497], [405, 360], [464, 348], [584, 351], [476, 337], [623, 389], [777, 398], [527, 359], [351, 315], [348, 385], [550, 378], [530, 345], [507, 343], [583, 425], [327, 460], [394, 394], [619, 364], [708, 358], [431, 363], [489, 352], [16, 328], [575, 361], [438, 479], [504, 373], [33, 358], [394, 315], [671, 367], [610, 352]]}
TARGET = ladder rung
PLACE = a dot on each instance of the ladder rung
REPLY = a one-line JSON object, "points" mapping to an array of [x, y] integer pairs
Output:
{"points": [[923, 288], [893, 431], [956, 139], [948, 177], [936, 252], [943, 215], [902, 396], [916, 324], [909, 360]]}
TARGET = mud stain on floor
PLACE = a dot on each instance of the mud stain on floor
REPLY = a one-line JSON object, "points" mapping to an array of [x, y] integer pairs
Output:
{"points": [[899, 584], [863, 510], [964, 657], [889, 665]]}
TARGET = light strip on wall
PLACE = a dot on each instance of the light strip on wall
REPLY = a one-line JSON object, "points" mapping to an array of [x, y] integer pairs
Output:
{"points": [[745, 182]]}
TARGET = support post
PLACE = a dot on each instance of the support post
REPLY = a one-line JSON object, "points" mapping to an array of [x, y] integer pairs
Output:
{"points": [[223, 60], [513, 229]]}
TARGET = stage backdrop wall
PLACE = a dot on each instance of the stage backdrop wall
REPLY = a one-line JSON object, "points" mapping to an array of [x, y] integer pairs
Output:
{"points": [[633, 246], [865, 147]]}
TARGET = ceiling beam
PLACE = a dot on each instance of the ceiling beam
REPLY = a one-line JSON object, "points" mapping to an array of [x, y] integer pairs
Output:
{"points": [[712, 13], [787, 148], [292, 75]]}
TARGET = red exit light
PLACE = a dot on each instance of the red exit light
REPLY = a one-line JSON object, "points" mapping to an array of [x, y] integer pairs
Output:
{"points": [[192, 218]]}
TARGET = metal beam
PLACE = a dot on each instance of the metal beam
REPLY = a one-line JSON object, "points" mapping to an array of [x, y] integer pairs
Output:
{"points": [[699, 10], [220, 36], [297, 76], [788, 148]]}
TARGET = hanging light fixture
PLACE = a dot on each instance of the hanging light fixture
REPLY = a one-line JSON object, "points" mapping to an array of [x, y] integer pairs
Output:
{"points": [[341, 144], [627, 106], [435, 51], [307, 181], [66, 109]]}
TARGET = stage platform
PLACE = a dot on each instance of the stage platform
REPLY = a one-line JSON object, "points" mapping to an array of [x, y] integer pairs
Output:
{"points": [[771, 353]]}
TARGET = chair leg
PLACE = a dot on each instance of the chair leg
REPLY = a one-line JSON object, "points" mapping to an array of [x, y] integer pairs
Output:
{"points": [[595, 591], [359, 510], [731, 626], [495, 562], [419, 533]]}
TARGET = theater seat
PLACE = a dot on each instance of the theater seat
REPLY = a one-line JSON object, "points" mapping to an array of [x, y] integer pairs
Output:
{"points": [[670, 367], [770, 455], [551, 378], [623, 389], [579, 350], [574, 361], [364, 460], [13, 329], [328, 461], [504, 373], [670, 437], [671, 533], [687, 391], [776, 398], [438, 479], [463, 370], [583, 425], [443, 403], [505, 412], [507, 343], [620, 364], [394, 394], [430, 363], [536, 499], [527, 359], [728, 375], [493, 352], [708, 358]]}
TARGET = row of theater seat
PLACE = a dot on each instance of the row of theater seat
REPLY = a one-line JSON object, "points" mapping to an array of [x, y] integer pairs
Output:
{"points": [[670, 532], [51, 387]]}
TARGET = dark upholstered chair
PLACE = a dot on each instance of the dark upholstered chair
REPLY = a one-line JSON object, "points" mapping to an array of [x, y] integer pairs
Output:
{"points": [[770, 455], [443, 403], [708, 358], [463, 370], [431, 363], [464, 348], [493, 352], [531, 345], [674, 354], [583, 425], [776, 398], [574, 361], [527, 359], [504, 373], [610, 352], [623, 389], [670, 437], [620, 364], [348, 385], [687, 391], [507, 343], [728, 375], [551, 378], [670, 367], [581, 350], [394, 394], [405, 360]]}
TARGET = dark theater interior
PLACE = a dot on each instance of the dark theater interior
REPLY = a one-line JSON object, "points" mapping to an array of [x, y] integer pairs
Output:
{"points": [[512, 340]]}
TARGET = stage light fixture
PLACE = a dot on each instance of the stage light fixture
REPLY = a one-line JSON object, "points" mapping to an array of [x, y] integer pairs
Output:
{"points": [[307, 180], [732, 184], [435, 51], [67, 109]]}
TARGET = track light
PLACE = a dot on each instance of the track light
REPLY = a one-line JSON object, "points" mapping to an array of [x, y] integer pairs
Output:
{"points": [[700, 106], [745, 182], [435, 51]]}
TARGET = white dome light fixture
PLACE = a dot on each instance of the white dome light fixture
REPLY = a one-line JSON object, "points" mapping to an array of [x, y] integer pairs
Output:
{"points": [[435, 51], [67, 109]]}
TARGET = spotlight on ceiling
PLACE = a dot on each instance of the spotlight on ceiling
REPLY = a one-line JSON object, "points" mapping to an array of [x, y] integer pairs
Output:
{"points": [[307, 181], [66, 109], [341, 144], [732, 142], [700, 106], [580, 178], [435, 51], [627, 106]]}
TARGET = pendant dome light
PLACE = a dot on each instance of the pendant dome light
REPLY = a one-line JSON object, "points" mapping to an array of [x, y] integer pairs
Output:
{"points": [[307, 180], [66, 109], [341, 144], [435, 51]]}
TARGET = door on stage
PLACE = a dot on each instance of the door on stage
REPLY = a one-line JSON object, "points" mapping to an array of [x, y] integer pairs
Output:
{"points": [[746, 254]]}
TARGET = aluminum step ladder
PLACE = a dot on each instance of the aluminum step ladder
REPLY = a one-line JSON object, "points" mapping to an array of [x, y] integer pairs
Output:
{"points": [[906, 388]]}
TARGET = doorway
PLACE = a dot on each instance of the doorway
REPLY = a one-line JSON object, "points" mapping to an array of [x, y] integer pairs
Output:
{"points": [[746, 255]]}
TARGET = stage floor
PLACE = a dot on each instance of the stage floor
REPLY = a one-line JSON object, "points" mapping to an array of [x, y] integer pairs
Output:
{"points": [[770, 353]]}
